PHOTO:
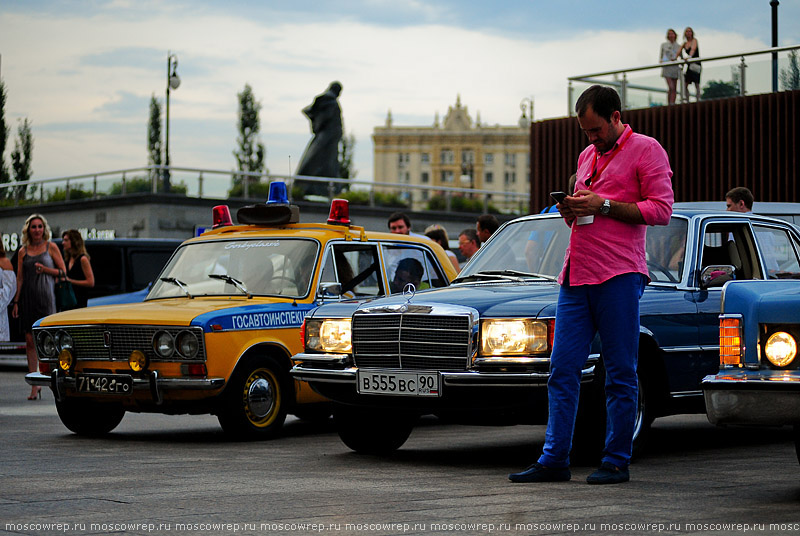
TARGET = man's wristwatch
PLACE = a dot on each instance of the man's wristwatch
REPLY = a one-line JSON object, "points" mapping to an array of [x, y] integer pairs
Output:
{"points": [[606, 208]]}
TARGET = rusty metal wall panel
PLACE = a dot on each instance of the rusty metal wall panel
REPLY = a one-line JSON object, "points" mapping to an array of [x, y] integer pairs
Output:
{"points": [[713, 146]]}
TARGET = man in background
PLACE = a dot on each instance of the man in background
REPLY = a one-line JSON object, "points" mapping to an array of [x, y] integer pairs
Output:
{"points": [[486, 225], [739, 199], [468, 242]]}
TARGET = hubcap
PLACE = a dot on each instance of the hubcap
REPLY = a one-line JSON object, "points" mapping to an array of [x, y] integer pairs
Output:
{"points": [[260, 398]]}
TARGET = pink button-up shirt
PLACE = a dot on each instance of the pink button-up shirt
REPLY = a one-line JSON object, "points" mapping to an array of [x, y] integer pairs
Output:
{"points": [[638, 173]]}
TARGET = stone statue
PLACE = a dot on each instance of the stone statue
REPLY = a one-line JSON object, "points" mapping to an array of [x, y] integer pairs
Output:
{"points": [[321, 158]]}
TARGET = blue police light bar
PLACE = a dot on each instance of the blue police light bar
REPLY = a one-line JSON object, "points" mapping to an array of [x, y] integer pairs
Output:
{"points": [[277, 193]]}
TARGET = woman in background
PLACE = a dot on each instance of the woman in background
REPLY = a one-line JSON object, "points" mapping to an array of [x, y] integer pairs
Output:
{"points": [[438, 234], [692, 74], [8, 287], [670, 50], [38, 264], [79, 267]]}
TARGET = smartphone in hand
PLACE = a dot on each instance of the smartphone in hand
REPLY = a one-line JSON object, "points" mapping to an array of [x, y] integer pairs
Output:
{"points": [[558, 196]]}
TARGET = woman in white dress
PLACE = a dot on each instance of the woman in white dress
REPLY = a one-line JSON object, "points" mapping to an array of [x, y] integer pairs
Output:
{"points": [[669, 52], [8, 287]]}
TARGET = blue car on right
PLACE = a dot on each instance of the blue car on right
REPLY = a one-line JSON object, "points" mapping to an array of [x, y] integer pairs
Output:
{"points": [[758, 382]]}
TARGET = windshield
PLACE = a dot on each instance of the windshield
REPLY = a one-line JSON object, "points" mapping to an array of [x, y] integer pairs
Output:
{"points": [[531, 248], [536, 247], [274, 267]]}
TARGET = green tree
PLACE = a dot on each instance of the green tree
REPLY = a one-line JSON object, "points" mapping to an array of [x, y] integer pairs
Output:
{"points": [[347, 147], [790, 78], [154, 136], [251, 153], [718, 89], [21, 156], [5, 176]]}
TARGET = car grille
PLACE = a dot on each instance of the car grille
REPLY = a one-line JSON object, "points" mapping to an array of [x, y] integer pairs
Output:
{"points": [[89, 342], [411, 341]]}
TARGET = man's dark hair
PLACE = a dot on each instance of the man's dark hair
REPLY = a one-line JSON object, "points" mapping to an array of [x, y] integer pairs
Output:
{"points": [[471, 234], [602, 99], [399, 216], [740, 193], [488, 223]]}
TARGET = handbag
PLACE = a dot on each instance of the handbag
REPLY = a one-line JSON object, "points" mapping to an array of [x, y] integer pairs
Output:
{"points": [[695, 68], [65, 294]]}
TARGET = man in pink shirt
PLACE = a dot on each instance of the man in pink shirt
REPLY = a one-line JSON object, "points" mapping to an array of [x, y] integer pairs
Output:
{"points": [[624, 185]]}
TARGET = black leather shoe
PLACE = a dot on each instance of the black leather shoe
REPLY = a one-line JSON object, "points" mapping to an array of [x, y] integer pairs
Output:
{"points": [[539, 473], [608, 473]]}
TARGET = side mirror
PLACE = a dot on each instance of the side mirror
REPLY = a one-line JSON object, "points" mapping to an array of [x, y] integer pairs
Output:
{"points": [[716, 275], [329, 290]]}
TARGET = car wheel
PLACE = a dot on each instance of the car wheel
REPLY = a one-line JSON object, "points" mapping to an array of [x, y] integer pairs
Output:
{"points": [[253, 405], [372, 431], [797, 441], [88, 418]]}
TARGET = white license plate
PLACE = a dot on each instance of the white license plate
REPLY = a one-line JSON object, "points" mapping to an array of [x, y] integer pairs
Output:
{"points": [[107, 384], [398, 383]]}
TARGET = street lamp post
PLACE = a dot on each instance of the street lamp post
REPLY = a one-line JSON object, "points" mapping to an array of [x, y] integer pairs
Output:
{"points": [[526, 104], [173, 81]]}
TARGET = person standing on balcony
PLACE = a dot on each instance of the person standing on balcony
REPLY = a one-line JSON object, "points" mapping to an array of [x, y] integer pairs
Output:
{"points": [[693, 70], [624, 185], [670, 50]]}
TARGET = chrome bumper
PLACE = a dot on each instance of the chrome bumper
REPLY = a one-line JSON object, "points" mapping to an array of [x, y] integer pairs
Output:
{"points": [[58, 381], [747, 398], [329, 369]]}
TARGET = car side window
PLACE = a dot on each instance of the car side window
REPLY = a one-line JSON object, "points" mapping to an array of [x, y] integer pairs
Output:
{"points": [[731, 247], [779, 251], [405, 264], [356, 268], [666, 251]]}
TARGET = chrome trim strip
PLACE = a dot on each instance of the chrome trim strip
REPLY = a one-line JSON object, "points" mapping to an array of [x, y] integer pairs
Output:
{"points": [[685, 394], [671, 349], [328, 359]]}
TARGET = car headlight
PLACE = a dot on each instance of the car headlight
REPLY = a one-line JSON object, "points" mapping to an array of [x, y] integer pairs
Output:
{"points": [[46, 344], [63, 341], [187, 344], [514, 337], [781, 348], [163, 344], [329, 335]]}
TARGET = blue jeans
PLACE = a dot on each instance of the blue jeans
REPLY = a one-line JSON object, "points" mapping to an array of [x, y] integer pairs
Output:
{"points": [[612, 309]]}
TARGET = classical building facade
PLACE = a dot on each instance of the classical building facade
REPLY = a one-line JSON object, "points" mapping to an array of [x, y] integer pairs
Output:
{"points": [[458, 153]]}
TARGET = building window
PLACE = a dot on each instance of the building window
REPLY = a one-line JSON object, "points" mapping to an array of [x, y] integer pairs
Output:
{"points": [[488, 159], [467, 156], [447, 176], [424, 178], [511, 160], [403, 159], [425, 158], [425, 195], [448, 156], [488, 177], [511, 177]]}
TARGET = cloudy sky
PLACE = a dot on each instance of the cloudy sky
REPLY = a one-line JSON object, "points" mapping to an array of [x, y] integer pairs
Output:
{"points": [[83, 72]]}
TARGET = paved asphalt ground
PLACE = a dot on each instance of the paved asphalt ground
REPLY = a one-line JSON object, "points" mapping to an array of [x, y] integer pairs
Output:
{"points": [[179, 475]]}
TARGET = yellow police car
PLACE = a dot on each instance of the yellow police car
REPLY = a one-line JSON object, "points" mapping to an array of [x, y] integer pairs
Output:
{"points": [[217, 330]]}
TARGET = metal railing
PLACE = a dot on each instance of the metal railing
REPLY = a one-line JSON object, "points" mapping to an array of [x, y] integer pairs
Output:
{"points": [[216, 185], [724, 71]]}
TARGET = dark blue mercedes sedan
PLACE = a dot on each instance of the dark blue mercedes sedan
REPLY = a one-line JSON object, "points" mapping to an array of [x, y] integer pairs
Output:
{"points": [[478, 352]]}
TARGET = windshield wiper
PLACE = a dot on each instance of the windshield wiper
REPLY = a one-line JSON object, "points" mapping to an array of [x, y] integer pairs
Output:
{"points": [[519, 274], [508, 275], [233, 281], [178, 283]]}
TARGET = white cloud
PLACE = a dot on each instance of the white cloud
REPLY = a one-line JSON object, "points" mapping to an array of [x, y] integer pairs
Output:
{"points": [[414, 71]]}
